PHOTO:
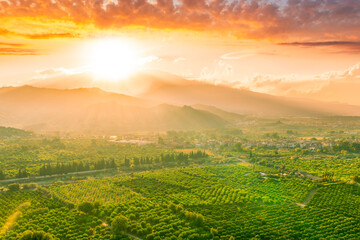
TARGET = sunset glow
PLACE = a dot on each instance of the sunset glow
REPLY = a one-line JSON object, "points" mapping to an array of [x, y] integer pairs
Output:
{"points": [[179, 119], [301, 49], [113, 59]]}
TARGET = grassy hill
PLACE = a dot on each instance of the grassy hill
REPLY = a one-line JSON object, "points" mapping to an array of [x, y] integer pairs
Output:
{"points": [[8, 132]]}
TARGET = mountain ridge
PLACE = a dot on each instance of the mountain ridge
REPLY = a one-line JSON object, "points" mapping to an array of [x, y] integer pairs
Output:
{"points": [[95, 111], [162, 87]]}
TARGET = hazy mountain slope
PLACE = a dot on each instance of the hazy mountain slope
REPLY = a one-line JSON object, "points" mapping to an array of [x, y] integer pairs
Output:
{"points": [[94, 111], [167, 88], [346, 90], [228, 116], [240, 100], [186, 117]]}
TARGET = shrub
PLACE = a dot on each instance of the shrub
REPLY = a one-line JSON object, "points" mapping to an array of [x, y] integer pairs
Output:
{"points": [[119, 224], [30, 186], [356, 178], [86, 207], [36, 235], [14, 187]]}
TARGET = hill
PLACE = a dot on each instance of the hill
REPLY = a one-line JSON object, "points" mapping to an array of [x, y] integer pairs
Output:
{"points": [[8, 132], [180, 91], [95, 111], [171, 89], [228, 116]]}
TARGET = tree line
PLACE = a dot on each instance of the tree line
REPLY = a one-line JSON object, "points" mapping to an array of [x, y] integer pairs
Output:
{"points": [[181, 158], [63, 168], [347, 146], [80, 166]]}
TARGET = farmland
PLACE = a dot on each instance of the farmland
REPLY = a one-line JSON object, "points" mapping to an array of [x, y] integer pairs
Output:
{"points": [[264, 184], [218, 202]]}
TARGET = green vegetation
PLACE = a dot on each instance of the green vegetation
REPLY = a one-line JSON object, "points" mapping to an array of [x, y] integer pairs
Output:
{"points": [[37, 235], [8, 133], [218, 202], [44, 157], [279, 179]]}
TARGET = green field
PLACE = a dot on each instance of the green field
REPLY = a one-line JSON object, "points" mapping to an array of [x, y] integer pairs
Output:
{"points": [[264, 183], [219, 202]]}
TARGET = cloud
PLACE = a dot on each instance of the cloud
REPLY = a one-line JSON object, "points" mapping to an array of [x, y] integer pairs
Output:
{"points": [[330, 86], [217, 73], [252, 19], [50, 35], [237, 55], [17, 51], [149, 59], [179, 59], [345, 46], [285, 85], [317, 44], [12, 44]]}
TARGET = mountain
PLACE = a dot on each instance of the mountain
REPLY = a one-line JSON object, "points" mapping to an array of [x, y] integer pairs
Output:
{"points": [[95, 111], [175, 90], [228, 116], [347, 90], [167, 88]]}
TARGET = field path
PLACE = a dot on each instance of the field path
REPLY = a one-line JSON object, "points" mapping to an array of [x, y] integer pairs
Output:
{"points": [[308, 198], [12, 218]]}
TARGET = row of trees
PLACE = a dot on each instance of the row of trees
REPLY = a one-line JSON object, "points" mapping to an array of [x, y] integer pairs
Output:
{"points": [[181, 157], [346, 146], [80, 166], [62, 168], [22, 173]]}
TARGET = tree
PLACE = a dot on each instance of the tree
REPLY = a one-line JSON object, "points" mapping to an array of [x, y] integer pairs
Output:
{"points": [[161, 141], [2, 175], [86, 207], [328, 176], [30, 186], [238, 147], [22, 173], [275, 135], [356, 178], [119, 225], [213, 231], [127, 162], [36, 235], [136, 161], [14, 187]]}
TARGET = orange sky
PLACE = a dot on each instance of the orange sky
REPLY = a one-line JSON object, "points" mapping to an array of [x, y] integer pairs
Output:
{"points": [[288, 47]]}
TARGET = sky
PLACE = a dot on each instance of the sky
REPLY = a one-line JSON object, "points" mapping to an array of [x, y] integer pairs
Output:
{"points": [[298, 48]]}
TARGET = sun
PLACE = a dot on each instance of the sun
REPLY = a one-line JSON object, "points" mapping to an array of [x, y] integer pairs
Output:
{"points": [[113, 59]]}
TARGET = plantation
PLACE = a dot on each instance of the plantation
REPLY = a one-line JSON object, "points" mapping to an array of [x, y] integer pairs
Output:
{"points": [[344, 166], [45, 157], [270, 182], [215, 202], [104, 191], [32, 154]]}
